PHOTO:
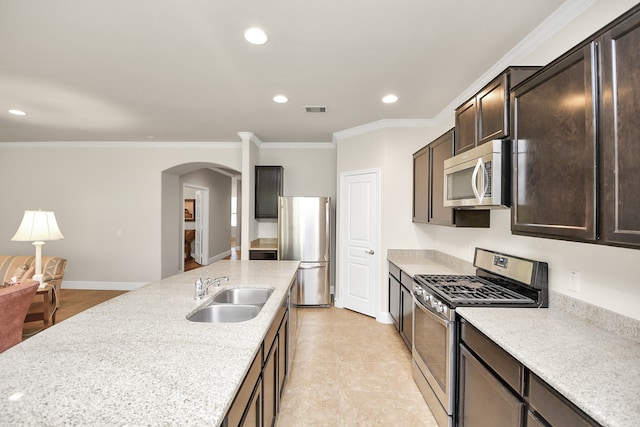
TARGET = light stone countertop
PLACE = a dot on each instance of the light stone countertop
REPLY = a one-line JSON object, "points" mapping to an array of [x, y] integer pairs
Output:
{"points": [[137, 360], [580, 356], [264, 244]]}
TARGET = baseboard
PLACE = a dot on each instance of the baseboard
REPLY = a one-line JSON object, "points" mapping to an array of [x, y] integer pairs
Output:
{"points": [[384, 317], [102, 286], [219, 257]]}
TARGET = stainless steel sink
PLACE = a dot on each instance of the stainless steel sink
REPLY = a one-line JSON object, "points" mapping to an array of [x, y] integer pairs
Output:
{"points": [[233, 305], [225, 313], [243, 296]]}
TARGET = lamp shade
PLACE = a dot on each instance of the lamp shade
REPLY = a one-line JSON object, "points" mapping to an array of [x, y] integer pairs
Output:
{"points": [[38, 226]]}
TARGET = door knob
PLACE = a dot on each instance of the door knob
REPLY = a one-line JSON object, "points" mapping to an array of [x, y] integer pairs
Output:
{"points": [[370, 252]]}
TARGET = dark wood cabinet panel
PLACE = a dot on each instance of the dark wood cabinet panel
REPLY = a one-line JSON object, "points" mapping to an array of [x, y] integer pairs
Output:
{"points": [[268, 187], [485, 117], [466, 126], [484, 401], [620, 133], [263, 254], [421, 185], [428, 185], [394, 301], [554, 143], [406, 303], [493, 118], [440, 150]]}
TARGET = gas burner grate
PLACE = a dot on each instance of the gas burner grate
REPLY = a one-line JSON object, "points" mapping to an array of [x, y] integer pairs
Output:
{"points": [[471, 290]]}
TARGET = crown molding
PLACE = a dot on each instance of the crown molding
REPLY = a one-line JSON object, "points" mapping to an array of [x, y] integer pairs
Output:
{"points": [[317, 145], [119, 144]]}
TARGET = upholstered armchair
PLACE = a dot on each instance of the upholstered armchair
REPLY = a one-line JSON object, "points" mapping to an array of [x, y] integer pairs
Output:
{"points": [[14, 303], [22, 268]]}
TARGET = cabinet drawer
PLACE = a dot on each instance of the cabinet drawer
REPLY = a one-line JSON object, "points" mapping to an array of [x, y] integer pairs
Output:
{"points": [[553, 407], [394, 271], [270, 255], [508, 368], [406, 280]]}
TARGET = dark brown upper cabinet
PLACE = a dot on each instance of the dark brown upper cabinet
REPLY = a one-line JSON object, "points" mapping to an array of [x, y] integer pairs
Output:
{"points": [[485, 117], [268, 187], [428, 188], [620, 133], [575, 139], [554, 142]]}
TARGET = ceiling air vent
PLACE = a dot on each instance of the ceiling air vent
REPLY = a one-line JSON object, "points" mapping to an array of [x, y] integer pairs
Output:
{"points": [[315, 109]]}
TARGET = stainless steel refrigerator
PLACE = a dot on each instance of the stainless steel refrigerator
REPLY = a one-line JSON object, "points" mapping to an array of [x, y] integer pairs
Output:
{"points": [[304, 235]]}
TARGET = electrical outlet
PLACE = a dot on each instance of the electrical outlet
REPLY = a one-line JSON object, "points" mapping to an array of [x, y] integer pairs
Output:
{"points": [[574, 281]]}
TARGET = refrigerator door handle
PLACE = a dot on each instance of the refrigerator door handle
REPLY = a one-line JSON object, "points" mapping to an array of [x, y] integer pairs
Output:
{"points": [[309, 266]]}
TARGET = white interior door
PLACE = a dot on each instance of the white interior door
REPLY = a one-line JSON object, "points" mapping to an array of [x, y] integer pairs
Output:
{"points": [[197, 249], [359, 236]]}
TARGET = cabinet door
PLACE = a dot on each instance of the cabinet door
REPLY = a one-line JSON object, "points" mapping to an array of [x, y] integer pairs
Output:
{"points": [[466, 126], [421, 185], [253, 416], [620, 127], [270, 385], [484, 401], [555, 151], [394, 300], [407, 316], [439, 150], [492, 112], [283, 349], [267, 189]]}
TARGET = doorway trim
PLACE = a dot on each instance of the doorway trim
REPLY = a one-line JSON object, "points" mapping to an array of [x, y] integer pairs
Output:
{"points": [[376, 232]]}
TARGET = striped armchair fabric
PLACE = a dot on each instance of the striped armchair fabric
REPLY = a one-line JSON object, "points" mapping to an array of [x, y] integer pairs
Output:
{"points": [[23, 267]]}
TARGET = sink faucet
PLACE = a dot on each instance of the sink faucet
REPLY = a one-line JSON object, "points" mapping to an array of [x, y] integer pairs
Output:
{"points": [[202, 287]]}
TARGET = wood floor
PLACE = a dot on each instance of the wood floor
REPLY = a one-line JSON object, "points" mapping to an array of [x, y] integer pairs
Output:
{"points": [[190, 264], [72, 301]]}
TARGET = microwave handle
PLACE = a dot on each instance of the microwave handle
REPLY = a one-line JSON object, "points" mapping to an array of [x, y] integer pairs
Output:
{"points": [[485, 181], [474, 177]]}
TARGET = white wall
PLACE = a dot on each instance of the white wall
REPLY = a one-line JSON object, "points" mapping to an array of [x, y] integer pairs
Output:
{"points": [[609, 275], [107, 201], [308, 171]]}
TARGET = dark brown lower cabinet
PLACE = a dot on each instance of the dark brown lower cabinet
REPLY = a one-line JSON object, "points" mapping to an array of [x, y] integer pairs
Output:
{"points": [[257, 402], [497, 390], [484, 400], [271, 385], [394, 300], [552, 407], [253, 417]]}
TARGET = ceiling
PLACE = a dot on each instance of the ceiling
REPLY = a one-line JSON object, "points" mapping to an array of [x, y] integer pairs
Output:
{"points": [[180, 70]]}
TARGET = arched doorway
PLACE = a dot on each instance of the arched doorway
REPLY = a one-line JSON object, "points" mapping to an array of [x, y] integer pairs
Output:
{"points": [[217, 179]]}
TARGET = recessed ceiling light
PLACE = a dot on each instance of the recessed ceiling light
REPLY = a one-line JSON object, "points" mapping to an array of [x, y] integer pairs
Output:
{"points": [[255, 36], [280, 99], [389, 99], [18, 112]]}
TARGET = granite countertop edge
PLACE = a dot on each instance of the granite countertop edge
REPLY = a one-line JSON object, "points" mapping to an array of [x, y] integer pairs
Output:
{"points": [[565, 350]]}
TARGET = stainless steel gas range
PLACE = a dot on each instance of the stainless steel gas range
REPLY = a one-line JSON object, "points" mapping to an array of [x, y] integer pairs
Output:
{"points": [[500, 281]]}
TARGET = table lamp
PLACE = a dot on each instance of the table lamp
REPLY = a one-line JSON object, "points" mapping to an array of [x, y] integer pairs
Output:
{"points": [[37, 227]]}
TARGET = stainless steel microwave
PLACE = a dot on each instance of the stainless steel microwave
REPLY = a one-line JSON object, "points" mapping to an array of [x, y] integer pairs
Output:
{"points": [[479, 178]]}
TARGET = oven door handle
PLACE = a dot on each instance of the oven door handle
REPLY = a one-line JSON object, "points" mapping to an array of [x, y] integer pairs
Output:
{"points": [[444, 322]]}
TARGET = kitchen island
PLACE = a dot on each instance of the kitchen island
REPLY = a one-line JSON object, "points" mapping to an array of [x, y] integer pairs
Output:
{"points": [[137, 360]]}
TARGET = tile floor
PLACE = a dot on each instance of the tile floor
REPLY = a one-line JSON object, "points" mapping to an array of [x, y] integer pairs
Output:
{"points": [[349, 370]]}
